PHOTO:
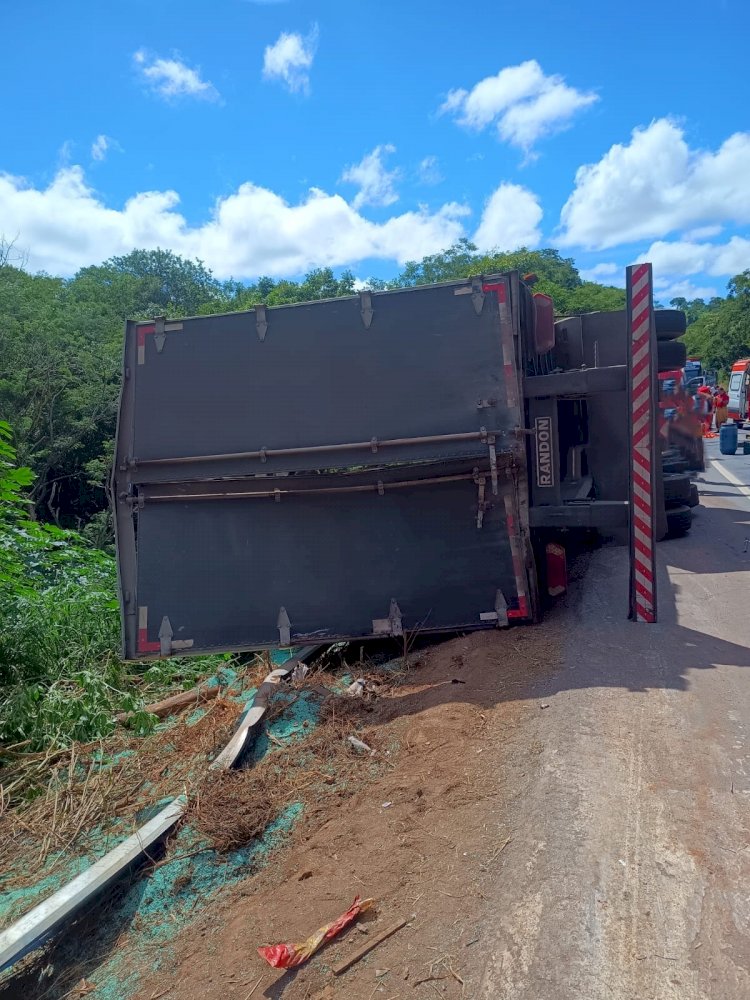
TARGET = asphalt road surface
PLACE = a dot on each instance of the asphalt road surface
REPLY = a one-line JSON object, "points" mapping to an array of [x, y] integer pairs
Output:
{"points": [[629, 874]]}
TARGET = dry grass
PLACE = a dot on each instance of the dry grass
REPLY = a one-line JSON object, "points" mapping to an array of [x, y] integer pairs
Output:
{"points": [[234, 807], [99, 785], [92, 785], [237, 807]]}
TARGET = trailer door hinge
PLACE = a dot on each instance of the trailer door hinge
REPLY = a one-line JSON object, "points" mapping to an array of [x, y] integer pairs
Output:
{"points": [[500, 614], [167, 643], [160, 335], [391, 625], [285, 628], [477, 295], [161, 329], [365, 308], [165, 636], [261, 322]]}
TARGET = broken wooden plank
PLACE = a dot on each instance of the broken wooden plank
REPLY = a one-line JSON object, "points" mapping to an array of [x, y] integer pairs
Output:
{"points": [[175, 701], [367, 947], [249, 724]]}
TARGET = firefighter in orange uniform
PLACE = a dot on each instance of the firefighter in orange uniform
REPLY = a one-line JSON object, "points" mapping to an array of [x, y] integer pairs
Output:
{"points": [[721, 402], [705, 407]]}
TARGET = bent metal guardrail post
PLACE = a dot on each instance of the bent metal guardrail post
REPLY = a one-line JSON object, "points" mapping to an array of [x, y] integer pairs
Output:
{"points": [[36, 926]]}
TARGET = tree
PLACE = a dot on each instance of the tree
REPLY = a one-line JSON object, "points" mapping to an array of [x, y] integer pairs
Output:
{"points": [[10, 254], [588, 297], [721, 333], [13, 509], [693, 309], [463, 260], [168, 284]]}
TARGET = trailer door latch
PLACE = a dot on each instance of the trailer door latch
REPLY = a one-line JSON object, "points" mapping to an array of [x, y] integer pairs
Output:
{"points": [[392, 624], [481, 505], [493, 463]]}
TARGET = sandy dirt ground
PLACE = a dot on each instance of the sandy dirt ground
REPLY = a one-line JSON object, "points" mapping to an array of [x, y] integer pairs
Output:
{"points": [[566, 812]]}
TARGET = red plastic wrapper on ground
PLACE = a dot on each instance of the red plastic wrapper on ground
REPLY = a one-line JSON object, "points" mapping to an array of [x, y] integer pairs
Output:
{"points": [[289, 956]]}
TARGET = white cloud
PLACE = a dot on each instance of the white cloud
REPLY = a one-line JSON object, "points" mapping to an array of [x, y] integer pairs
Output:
{"points": [[65, 154], [250, 232], [605, 273], [376, 183], [525, 104], [102, 145], [290, 59], [598, 271], [702, 233], [510, 219], [99, 148], [668, 290], [428, 171], [682, 257], [173, 78], [656, 185]]}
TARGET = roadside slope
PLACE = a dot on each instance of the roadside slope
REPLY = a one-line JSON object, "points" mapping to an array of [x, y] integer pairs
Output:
{"points": [[566, 811]]}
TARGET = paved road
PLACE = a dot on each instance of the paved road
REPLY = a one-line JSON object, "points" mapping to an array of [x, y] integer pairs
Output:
{"points": [[628, 877], [733, 470]]}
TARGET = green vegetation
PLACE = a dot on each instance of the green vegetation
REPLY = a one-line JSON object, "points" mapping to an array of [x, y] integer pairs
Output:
{"points": [[60, 353], [60, 676], [719, 330]]}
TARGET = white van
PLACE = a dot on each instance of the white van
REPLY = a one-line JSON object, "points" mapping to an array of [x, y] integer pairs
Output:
{"points": [[739, 391]]}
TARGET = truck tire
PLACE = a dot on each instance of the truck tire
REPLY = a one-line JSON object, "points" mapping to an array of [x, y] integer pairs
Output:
{"points": [[671, 354], [677, 488], [694, 496], [674, 465], [669, 323], [679, 520]]}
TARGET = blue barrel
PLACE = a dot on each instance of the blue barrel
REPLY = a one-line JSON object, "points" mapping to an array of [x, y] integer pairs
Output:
{"points": [[728, 439]]}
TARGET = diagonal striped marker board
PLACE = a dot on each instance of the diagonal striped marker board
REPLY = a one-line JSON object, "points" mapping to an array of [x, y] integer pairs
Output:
{"points": [[643, 457]]}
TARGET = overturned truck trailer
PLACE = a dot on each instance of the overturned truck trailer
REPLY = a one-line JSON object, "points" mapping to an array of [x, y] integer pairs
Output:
{"points": [[362, 466]]}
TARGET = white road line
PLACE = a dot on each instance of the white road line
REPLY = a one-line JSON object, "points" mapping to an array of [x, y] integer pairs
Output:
{"points": [[730, 477]]}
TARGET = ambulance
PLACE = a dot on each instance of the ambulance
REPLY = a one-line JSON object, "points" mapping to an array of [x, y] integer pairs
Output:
{"points": [[739, 391]]}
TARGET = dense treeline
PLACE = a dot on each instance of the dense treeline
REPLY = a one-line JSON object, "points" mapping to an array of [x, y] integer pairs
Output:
{"points": [[719, 330], [61, 341]]}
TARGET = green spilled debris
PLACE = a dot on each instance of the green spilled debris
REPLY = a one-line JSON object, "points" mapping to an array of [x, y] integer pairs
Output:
{"points": [[235, 819]]}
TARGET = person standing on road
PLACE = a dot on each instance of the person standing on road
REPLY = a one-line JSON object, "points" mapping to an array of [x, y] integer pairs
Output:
{"points": [[704, 405], [721, 403]]}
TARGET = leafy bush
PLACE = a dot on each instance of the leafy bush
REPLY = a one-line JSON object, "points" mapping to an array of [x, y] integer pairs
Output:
{"points": [[60, 676]]}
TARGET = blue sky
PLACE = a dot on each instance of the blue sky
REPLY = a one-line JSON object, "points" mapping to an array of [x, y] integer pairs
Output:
{"points": [[267, 138]]}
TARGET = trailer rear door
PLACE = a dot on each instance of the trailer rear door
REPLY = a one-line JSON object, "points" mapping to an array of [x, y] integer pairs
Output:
{"points": [[336, 469]]}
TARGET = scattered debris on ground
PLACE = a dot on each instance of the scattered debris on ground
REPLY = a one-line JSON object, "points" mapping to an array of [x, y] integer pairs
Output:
{"points": [[417, 826], [290, 956], [393, 776]]}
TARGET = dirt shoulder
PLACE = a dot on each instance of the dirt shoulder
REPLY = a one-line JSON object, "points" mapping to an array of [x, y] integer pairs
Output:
{"points": [[424, 840]]}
